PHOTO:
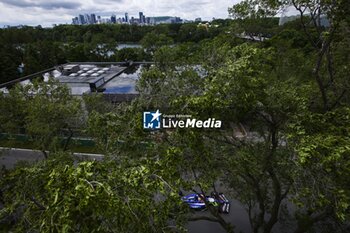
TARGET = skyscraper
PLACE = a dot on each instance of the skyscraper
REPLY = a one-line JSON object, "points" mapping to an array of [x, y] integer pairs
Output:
{"points": [[93, 19], [75, 21], [87, 19], [113, 19], [81, 19], [127, 17], [141, 17]]}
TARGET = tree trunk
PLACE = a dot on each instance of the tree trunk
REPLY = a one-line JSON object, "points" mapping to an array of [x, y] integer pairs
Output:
{"points": [[68, 139], [45, 154]]}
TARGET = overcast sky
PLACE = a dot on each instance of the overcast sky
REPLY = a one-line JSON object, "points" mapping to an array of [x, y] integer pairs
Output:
{"points": [[46, 12]]}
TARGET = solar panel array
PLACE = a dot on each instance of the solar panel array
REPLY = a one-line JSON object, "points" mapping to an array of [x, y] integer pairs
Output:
{"points": [[90, 72]]}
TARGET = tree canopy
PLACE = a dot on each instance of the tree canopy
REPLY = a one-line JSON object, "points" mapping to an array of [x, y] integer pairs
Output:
{"points": [[282, 152]]}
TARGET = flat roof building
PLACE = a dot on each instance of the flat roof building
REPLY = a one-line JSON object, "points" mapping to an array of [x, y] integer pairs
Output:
{"points": [[115, 80]]}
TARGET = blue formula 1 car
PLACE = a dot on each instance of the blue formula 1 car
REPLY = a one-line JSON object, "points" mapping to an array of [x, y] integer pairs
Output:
{"points": [[198, 201]]}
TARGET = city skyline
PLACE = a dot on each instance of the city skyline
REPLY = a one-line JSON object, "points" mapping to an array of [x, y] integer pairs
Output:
{"points": [[141, 19], [47, 13]]}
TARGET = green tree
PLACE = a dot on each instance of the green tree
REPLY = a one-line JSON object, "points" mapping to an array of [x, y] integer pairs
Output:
{"points": [[321, 141], [320, 37], [151, 41], [56, 195], [51, 111], [46, 110]]}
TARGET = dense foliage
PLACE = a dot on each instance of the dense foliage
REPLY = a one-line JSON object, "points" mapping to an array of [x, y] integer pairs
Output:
{"points": [[283, 151], [41, 48]]}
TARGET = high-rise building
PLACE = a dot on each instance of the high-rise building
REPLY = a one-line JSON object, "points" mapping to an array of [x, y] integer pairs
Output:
{"points": [[87, 19], [81, 19], [93, 18], [141, 17], [113, 19], [152, 20], [178, 20], [127, 17], [75, 21]]}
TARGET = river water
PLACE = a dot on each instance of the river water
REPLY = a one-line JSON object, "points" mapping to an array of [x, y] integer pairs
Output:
{"points": [[124, 46]]}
